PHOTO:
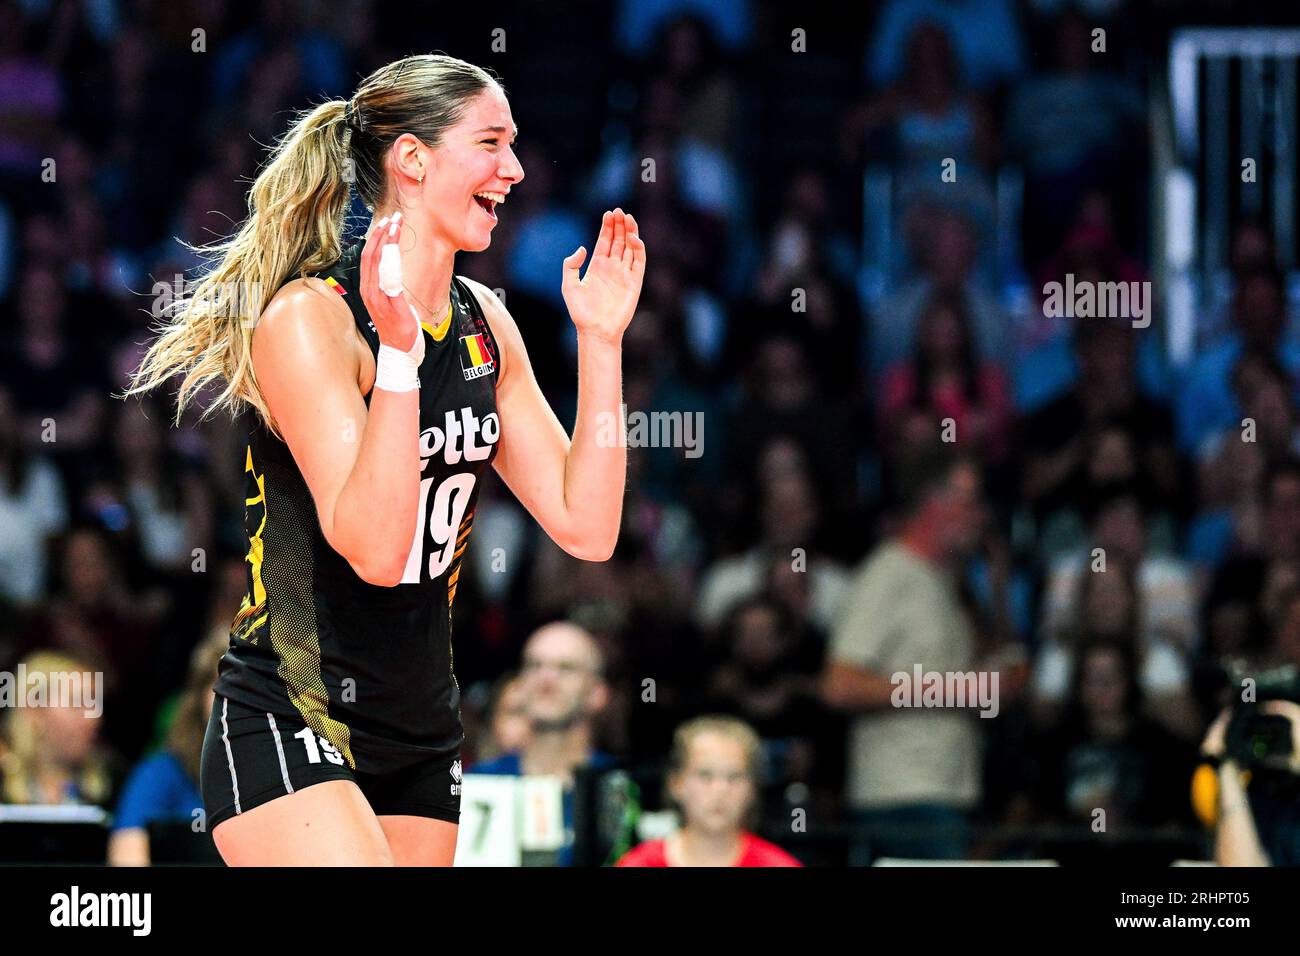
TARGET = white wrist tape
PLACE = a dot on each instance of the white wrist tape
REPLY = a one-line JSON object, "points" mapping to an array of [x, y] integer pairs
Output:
{"points": [[398, 371], [390, 270], [395, 370]]}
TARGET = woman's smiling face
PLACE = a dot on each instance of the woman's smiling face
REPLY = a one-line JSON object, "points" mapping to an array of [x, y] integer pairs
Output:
{"points": [[476, 156]]}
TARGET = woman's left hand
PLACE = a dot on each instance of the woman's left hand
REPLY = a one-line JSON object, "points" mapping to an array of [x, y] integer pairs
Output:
{"points": [[602, 302]]}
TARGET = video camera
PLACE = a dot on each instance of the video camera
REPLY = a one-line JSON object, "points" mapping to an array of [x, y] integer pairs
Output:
{"points": [[1257, 740]]}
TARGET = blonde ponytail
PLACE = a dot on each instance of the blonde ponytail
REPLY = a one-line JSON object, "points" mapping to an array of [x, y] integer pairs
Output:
{"points": [[295, 225]]}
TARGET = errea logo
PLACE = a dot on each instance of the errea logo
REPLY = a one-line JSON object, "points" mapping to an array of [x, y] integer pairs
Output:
{"points": [[455, 777]]}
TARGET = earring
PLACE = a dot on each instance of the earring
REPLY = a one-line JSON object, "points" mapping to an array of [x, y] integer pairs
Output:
{"points": [[421, 179]]}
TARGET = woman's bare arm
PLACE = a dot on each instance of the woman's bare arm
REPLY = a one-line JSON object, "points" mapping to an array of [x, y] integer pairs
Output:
{"points": [[574, 486], [361, 465]]}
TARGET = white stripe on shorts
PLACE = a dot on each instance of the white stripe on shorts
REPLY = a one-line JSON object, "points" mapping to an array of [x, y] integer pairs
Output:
{"points": [[279, 749], [230, 758]]}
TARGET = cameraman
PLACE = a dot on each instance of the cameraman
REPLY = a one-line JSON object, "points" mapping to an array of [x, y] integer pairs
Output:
{"points": [[1261, 828]]}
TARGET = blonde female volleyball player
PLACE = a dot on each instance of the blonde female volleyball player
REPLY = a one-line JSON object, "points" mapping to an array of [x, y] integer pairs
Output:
{"points": [[379, 386]]}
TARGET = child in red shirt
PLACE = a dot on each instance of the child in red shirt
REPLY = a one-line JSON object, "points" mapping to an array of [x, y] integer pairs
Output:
{"points": [[712, 777]]}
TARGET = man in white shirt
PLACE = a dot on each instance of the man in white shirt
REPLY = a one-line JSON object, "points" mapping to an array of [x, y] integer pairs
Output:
{"points": [[913, 772]]}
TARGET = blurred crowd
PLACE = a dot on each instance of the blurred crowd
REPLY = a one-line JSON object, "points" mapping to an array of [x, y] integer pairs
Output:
{"points": [[929, 472]]}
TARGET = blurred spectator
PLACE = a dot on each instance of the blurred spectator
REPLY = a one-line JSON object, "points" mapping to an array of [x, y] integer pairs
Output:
{"points": [[1146, 604], [928, 114], [705, 118], [713, 774], [280, 30], [783, 399], [769, 679], [96, 617], [944, 380], [509, 726], [1256, 579], [1286, 643], [30, 103], [662, 532], [564, 687], [937, 138], [679, 467], [947, 246], [1108, 768], [57, 385], [1073, 129], [789, 519], [32, 510], [164, 787], [1234, 628], [806, 236], [1250, 248], [92, 268], [1047, 359], [53, 753], [1118, 535], [1104, 432], [986, 36], [167, 504], [690, 193], [1259, 316], [806, 257], [911, 769], [637, 22], [630, 608], [1232, 462]]}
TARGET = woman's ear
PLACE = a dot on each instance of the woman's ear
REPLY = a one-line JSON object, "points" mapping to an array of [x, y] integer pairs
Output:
{"points": [[407, 157]]}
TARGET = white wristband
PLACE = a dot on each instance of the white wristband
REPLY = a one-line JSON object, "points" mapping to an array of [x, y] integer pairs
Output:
{"points": [[398, 371]]}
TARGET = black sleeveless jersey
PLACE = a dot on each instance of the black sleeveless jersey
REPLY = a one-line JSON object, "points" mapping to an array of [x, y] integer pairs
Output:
{"points": [[369, 668]]}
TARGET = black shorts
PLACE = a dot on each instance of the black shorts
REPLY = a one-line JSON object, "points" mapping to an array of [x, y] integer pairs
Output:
{"points": [[251, 757]]}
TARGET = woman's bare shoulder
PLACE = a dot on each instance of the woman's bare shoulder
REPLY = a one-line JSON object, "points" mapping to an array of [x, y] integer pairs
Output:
{"points": [[307, 325], [305, 305]]}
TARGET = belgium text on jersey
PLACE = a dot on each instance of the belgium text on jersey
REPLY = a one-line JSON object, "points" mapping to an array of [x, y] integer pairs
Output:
{"points": [[134, 910], [78, 690], [947, 689]]}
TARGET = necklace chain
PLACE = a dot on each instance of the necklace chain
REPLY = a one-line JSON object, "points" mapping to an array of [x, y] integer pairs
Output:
{"points": [[429, 310]]}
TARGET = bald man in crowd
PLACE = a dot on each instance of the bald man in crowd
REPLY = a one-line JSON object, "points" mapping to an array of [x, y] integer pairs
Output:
{"points": [[563, 686]]}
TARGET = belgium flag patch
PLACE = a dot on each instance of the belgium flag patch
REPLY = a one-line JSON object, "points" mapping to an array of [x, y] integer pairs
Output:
{"points": [[475, 361]]}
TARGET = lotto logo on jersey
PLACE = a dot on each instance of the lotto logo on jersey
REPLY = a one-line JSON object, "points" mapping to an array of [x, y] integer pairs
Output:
{"points": [[462, 435], [475, 360]]}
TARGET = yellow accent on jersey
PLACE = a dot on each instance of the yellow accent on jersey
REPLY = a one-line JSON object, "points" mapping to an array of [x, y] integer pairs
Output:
{"points": [[293, 638], [247, 620], [440, 332], [255, 548]]}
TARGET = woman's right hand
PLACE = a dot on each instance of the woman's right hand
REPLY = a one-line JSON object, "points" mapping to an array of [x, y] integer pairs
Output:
{"points": [[394, 317]]}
